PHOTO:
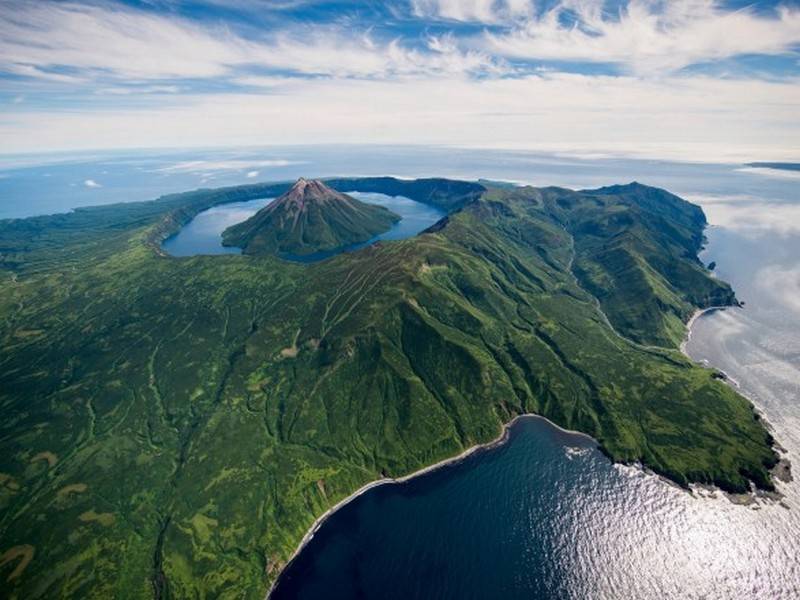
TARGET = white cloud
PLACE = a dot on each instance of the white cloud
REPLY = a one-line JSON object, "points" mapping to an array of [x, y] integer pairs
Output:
{"points": [[91, 183], [44, 40], [649, 35], [27, 70], [783, 284], [252, 174], [147, 89], [203, 166], [749, 215], [769, 172], [261, 81], [482, 11], [667, 118], [338, 84]]}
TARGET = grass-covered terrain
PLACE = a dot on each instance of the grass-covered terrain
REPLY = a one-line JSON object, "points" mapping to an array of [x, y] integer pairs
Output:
{"points": [[172, 426], [310, 218]]}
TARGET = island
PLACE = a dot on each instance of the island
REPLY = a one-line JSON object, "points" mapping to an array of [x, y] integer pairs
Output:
{"points": [[308, 219], [172, 427]]}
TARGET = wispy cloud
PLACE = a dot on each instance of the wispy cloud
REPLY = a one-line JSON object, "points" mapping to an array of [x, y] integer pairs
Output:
{"points": [[71, 43], [91, 183], [769, 172], [131, 90], [667, 118], [101, 73], [783, 284], [749, 215], [648, 35], [203, 166], [482, 11]]}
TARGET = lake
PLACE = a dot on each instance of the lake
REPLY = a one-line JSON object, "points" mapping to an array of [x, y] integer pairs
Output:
{"points": [[544, 515], [203, 234]]}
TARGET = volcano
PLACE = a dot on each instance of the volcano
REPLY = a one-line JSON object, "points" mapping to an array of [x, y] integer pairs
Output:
{"points": [[311, 217]]}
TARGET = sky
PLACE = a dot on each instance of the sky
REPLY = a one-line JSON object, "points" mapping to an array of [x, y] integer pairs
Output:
{"points": [[671, 79]]}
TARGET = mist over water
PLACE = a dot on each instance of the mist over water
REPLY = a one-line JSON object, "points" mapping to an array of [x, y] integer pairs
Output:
{"points": [[545, 515]]}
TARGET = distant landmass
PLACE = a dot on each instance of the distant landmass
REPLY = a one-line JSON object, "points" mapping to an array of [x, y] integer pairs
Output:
{"points": [[172, 427], [783, 166], [309, 218]]}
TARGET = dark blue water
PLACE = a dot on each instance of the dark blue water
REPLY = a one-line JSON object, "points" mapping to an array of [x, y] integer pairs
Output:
{"points": [[203, 234], [469, 530]]}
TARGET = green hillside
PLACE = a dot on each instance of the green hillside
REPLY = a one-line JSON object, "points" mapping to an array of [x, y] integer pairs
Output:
{"points": [[309, 218], [173, 426]]}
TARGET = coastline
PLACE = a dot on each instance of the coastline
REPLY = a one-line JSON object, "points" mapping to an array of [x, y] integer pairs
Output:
{"points": [[782, 470], [696, 315], [498, 441]]}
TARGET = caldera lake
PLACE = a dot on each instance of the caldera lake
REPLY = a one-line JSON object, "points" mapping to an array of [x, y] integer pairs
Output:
{"points": [[203, 234]]}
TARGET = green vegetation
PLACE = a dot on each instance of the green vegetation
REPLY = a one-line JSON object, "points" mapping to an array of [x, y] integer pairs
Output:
{"points": [[309, 218], [173, 426]]}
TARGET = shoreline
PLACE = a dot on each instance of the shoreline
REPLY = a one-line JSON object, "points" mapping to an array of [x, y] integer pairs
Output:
{"points": [[696, 315], [782, 470], [498, 441]]}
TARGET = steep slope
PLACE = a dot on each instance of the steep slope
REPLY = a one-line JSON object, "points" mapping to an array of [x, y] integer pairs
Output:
{"points": [[636, 251], [311, 217], [172, 427]]}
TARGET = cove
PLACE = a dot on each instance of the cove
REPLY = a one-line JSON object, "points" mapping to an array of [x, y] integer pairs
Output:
{"points": [[544, 515], [457, 532]]}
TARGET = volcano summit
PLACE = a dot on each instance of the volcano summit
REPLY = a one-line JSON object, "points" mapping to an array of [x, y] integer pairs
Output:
{"points": [[311, 217]]}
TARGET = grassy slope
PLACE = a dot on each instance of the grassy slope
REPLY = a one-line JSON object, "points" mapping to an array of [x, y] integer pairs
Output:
{"points": [[199, 413]]}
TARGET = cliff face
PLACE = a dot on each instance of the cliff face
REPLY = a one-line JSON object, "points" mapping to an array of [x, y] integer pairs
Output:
{"points": [[310, 217]]}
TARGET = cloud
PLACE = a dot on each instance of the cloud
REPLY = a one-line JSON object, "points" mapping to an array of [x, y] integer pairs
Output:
{"points": [[91, 183], [71, 43], [769, 172], [749, 215], [252, 174], [666, 118], [147, 89], [482, 11], [152, 77], [783, 284], [203, 166], [648, 35]]}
